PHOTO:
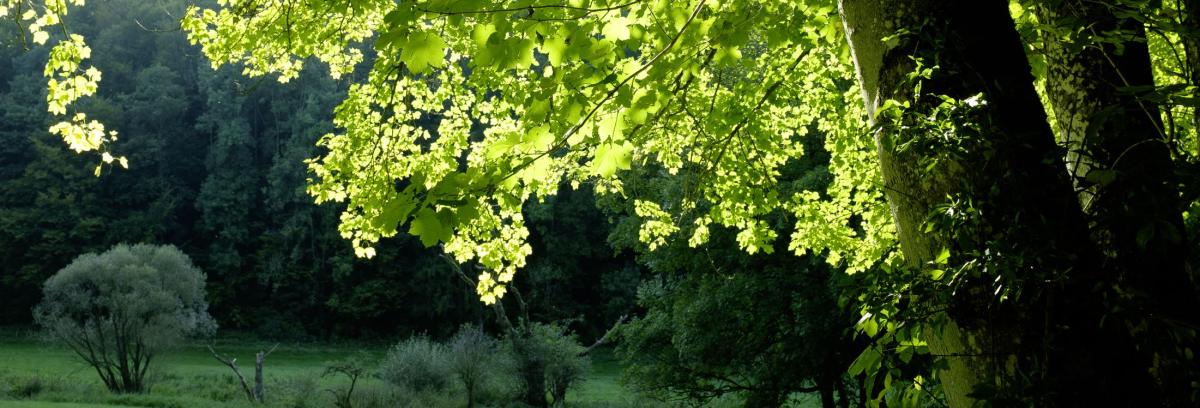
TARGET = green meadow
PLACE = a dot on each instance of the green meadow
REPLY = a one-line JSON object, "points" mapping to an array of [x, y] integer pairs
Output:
{"points": [[34, 374]]}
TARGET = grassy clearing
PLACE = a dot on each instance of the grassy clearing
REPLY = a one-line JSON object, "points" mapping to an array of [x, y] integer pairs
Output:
{"points": [[36, 375], [47, 404]]}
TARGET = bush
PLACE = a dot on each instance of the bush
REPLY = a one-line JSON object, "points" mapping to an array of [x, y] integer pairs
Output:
{"points": [[381, 396], [565, 367], [301, 392], [119, 309], [548, 360], [417, 365], [25, 387], [474, 361]]}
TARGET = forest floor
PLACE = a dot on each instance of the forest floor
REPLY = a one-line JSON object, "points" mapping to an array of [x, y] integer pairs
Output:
{"points": [[34, 374]]}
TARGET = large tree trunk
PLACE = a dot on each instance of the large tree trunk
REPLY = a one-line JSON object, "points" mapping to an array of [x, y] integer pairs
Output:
{"points": [[1120, 162], [1047, 347]]}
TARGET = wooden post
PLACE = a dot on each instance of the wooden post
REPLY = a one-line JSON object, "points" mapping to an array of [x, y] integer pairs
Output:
{"points": [[258, 373]]}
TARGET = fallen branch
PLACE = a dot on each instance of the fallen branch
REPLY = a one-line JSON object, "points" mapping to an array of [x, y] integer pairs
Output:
{"points": [[258, 393], [232, 363]]}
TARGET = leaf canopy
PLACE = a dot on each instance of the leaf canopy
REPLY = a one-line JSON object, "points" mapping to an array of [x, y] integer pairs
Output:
{"points": [[571, 91]]}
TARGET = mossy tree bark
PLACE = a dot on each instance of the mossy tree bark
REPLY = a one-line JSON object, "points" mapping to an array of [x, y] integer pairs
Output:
{"points": [[1118, 155], [1048, 345]]}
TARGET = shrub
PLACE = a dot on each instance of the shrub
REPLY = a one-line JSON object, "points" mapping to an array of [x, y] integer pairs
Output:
{"points": [[566, 368], [549, 359], [417, 365], [301, 392], [25, 387], [120, 309], [473, 360], [381, 396]]}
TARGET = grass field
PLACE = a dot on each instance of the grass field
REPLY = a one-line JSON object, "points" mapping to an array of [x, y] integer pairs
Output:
{"points": [[37, 375]]}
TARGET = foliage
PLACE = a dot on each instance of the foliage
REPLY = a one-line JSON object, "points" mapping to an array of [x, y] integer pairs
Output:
{"points": [[612, 89], [217, 169], [718, 322], [472, 109], [573, 277], [204, 143], [119, 309], [417, 365], [67, 78]]}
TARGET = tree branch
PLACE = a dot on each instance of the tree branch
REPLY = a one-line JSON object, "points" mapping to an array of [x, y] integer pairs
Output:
{"points": [[604, 339], [232, 363]]}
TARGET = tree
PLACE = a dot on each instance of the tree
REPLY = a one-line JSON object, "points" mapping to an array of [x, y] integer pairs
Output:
{"points": [[978, 53], [120, 309], [998, 267], [472, 357], [720, 322], [1100, 85], [293, 278]]}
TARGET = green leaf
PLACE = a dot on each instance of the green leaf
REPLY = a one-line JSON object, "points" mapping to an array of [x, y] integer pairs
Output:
{"points": [[728, 55], [937, 274], [617, 29], [396, 210], [942, 257], [537, 140], [429, 228], [555, 49], [611, 157], [422, 50], [1101, 177], [868, 361], [1145, 234]]}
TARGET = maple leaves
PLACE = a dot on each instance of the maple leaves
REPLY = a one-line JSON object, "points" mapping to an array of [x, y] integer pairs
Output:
{"points": [[472, 108]]}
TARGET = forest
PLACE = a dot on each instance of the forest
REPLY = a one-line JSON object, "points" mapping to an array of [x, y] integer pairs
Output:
{"points": [[599, 203]]}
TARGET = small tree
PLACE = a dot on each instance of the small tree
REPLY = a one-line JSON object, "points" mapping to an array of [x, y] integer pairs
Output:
{"points": [[119, 309], [472, 359], [354, 368]]}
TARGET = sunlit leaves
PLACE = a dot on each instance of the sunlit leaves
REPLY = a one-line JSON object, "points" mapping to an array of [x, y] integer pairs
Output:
{"points": [[67, 78], [657, 225], [573, 91], [423, 50], [611, 157], [430, 228], [66, 84]]}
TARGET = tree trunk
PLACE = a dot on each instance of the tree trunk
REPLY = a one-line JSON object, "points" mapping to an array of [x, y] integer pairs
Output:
{"points": [[1120, 161], [1117, 151], [1024, 223], [827, 399], [259, 391]]}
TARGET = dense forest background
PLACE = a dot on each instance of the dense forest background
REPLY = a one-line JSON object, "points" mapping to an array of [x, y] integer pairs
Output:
{"points": [[217, 168]]}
